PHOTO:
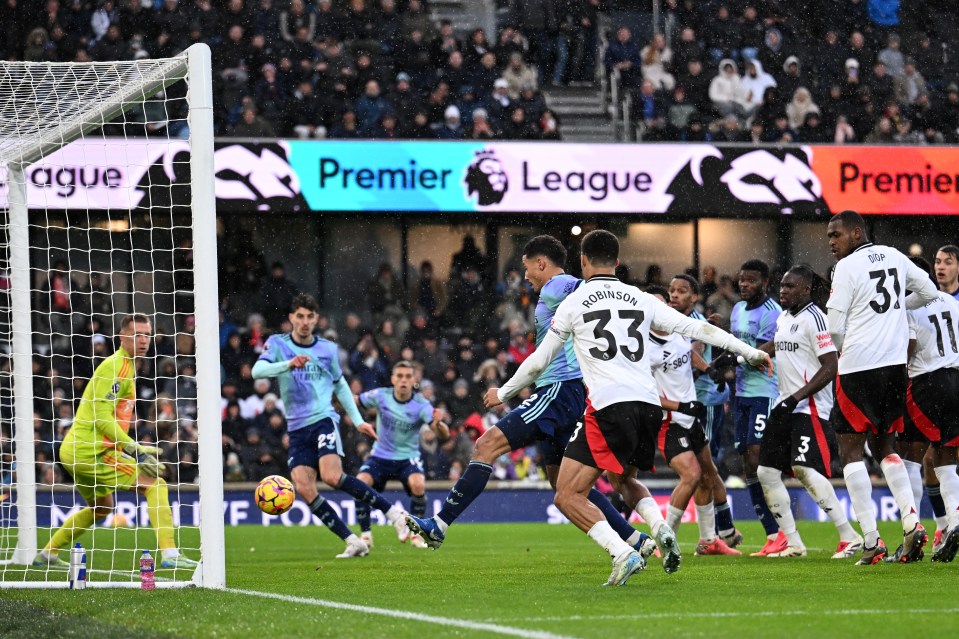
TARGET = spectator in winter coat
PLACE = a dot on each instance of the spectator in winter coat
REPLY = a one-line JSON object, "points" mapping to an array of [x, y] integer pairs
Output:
{"points": [[518, 74], [801, 105], [754, 85], [726, 90]]}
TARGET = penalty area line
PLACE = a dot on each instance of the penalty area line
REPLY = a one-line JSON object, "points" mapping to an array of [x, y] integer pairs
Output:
{"points": [[403, 614]]}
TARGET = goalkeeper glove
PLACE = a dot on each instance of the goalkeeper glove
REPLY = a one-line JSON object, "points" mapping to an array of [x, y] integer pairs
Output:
{"points": [[785, 407], [146, 457], [718, 378], [695, 409]]}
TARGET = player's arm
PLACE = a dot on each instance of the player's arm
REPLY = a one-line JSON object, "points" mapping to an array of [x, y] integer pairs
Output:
{"points": [[105, 383], [769, 348], [263, 369], [693, 408], [438, 426], [840, 299], [668, 319], [923, 290], [529, 370], [347, 400]]}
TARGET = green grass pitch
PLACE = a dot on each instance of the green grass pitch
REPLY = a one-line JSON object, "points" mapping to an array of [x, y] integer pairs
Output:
{"points": [[526, 580]]}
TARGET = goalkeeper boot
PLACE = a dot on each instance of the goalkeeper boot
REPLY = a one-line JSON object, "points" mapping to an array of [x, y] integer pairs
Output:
{"points": [[355, 547], [427, 529], [672, 557], [178, 562], [948, 547], [43, 560], [625, 566]]}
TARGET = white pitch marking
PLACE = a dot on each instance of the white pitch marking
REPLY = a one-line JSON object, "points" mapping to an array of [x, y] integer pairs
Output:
{"points": [[760, 613], [402, 614]]}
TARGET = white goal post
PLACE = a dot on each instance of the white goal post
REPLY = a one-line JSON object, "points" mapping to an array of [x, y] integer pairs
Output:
{"points": [[80, 253]]}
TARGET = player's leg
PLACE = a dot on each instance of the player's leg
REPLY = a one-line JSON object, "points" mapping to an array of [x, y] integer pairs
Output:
{"points": [[98, 507], [415, 482], [468, 487], [303, 462], [363, 509], [853, 417], [934, 492], [686, 466], [89, 478], [751, 415], [520, 428], [330, 452], [911, 453], [892, 405], [705, 497], [723, 514], [945, 462], [774, 457], [156, 492], [609, 439]]}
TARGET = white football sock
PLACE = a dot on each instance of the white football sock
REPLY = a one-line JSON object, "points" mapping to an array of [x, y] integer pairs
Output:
{"points": [[604, 535], [649, 510], [633, 539], [706, 516], [823, 493], [394, 513], [777, 498], [914, 470], [859, 487], [898, 481], [170, 553], [949, 489], [442, 525], [674, 516]]}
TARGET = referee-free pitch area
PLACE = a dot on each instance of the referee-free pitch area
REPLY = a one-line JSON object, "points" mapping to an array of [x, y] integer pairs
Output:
{"points": [[521, 580]]}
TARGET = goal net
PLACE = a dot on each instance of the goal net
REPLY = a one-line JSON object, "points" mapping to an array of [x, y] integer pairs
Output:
{"points": [[107, 211]]}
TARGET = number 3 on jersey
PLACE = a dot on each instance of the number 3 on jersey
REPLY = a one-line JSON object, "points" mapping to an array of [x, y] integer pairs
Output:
{"points": [[883, 289], [602, 319]]}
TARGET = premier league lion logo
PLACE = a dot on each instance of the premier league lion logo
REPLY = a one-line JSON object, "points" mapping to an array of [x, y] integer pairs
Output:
{"points": [[486, 178], [748, 181]]}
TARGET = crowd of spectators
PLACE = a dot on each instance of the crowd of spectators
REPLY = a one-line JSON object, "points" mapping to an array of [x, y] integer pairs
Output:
{"points": [[380, 69], [824, 71]]}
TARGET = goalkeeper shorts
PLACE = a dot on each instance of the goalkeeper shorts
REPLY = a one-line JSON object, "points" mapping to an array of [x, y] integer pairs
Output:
{"points": [[102, 475]]}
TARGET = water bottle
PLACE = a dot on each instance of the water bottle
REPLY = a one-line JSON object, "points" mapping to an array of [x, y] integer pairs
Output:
{"points": [[78, 568], [146, 571]]}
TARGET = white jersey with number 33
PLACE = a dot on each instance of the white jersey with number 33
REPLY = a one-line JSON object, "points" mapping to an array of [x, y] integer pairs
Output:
{"points": [[610, 324], [869, 285]]}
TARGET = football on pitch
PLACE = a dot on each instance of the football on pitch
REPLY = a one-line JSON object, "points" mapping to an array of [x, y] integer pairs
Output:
{"points": [[274, 495]]}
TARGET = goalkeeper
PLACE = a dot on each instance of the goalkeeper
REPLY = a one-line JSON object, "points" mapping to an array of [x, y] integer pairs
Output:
{"points": [[102, 457]]}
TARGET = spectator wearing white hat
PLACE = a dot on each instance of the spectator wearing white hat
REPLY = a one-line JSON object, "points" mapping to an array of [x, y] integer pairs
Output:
{"points": [[451, 127]]}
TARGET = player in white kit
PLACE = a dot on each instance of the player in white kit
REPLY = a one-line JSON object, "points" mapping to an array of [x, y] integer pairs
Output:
{"points": [[682, 437], [867, 320], [932, 403], [609, 322], [798, 435]]}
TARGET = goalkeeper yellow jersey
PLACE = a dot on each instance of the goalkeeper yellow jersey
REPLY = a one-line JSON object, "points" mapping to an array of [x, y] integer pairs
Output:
{"points": [[106, 409]]}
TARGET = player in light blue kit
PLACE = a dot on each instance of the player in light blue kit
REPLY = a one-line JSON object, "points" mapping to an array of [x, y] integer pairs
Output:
{"points": [[308, 370], [400, 413], [753, 320], [550, 416]]}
